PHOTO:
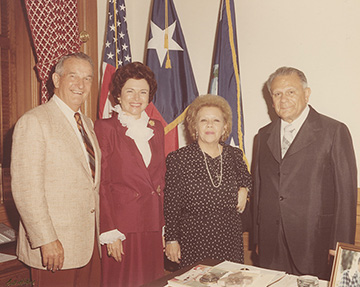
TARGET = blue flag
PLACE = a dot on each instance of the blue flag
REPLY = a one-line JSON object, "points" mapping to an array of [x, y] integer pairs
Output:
{"points": [[225, 80], [168, 58]]}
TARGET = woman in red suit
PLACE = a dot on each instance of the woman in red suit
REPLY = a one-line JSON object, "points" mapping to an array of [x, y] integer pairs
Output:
{"points": [[132, 182]]}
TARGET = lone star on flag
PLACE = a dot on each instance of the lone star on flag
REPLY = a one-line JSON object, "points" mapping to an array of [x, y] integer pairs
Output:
{"points": [[157, 42]]}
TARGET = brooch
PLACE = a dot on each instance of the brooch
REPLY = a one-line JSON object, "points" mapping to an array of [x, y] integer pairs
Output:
{"points": [[151, 123]]}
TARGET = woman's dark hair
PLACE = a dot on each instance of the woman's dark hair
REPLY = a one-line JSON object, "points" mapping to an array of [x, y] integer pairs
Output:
{"points": [[135, 70]]}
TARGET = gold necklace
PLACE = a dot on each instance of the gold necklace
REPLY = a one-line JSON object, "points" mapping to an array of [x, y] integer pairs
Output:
{"points": [[219, 177]]}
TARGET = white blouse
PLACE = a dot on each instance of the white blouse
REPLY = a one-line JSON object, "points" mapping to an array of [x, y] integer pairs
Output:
{"points": [[141, 134]]}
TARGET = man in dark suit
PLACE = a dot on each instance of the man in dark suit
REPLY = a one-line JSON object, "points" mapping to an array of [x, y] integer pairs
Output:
{"points": [[305, 182]]}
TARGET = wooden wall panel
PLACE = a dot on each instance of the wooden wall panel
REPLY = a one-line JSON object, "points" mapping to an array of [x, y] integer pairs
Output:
{"points": [[27, 86], [19, 84], [19, 91], [87, 24], [357, 236]]}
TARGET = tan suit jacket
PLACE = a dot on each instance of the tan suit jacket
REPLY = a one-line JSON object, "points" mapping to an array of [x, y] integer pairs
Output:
{"points": [[52, 186]]}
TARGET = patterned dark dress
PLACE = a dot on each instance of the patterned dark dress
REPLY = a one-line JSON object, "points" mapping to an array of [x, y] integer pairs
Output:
{"points": [[201, 217]]}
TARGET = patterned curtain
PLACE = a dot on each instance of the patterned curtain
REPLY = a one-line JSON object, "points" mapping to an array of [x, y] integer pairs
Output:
{"points": [[55, 32]]}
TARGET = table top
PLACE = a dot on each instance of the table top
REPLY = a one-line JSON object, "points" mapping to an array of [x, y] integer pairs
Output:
{"points": [[288, 280], [163, 280]]}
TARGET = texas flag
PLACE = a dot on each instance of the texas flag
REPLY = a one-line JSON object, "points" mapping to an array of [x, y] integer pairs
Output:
{"points": [[168, 58]]}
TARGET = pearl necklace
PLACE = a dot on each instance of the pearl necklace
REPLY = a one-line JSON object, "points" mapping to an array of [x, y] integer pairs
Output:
{"points": [[219, 177]]}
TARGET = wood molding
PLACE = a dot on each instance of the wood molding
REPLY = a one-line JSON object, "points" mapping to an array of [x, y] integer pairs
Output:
{"points": [[357, 235], [27, 92], [87, 22]]}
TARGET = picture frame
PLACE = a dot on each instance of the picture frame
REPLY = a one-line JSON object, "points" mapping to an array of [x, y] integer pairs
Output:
{"points": [[346, 264]]}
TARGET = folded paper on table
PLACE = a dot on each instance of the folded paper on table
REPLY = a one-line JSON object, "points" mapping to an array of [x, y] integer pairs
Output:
{"points": [[235, 275], [225, 274]]}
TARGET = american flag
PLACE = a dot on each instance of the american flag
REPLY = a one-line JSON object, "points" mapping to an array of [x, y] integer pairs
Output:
{"points": [[116, 52]]}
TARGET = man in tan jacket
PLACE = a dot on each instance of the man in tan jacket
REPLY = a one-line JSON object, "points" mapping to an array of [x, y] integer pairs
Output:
{"points": [[55, 182]]}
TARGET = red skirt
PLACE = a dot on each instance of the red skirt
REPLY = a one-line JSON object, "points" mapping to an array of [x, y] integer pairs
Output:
{"points": [[142, 262]]}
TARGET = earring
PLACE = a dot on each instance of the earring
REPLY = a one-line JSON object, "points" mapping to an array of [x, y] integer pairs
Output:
{"points": [[196, 135], [223, 136]]}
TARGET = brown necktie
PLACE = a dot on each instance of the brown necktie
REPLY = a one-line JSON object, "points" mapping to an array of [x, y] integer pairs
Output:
{"points": [[87, 143]]}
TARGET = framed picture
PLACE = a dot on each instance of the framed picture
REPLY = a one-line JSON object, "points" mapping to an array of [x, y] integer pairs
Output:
{"points": [[346, 267]]}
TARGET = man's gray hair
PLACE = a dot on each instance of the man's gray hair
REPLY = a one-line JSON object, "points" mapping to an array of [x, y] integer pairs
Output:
{"points": [[286, 71], [78, 55]]}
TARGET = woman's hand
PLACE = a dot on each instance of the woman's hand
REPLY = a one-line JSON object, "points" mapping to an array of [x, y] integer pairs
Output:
{"points": [[242, 198], [115, 250], [172, 252]]}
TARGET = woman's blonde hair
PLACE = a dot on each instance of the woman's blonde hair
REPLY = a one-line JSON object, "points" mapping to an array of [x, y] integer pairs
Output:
{"points": [[207, 101]]}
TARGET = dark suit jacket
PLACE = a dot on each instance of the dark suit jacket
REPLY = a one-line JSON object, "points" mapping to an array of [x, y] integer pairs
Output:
{"points": [[312, 191], [131, 195]]}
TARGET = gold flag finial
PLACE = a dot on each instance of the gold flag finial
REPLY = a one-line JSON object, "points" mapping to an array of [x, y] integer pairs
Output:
{"points": [[166, 37]]}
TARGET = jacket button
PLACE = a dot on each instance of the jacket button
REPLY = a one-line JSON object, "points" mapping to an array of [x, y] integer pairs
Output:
{"points": [[153, 192], [281, 198], [92, 210]]}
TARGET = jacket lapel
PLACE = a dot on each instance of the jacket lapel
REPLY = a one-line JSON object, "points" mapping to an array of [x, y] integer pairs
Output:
{"points": [[273, 141], [136, 153], [306, 134], [67, 134]]}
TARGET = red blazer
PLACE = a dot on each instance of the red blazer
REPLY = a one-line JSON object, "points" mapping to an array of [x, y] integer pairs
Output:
{"points": [[131, 195]]}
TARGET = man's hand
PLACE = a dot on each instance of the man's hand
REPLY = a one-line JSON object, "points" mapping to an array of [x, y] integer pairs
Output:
{"points": [[53, 255], [332, 252]]}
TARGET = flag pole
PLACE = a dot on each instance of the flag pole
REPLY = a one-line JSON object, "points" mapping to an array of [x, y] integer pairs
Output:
{"points": [[116, 39], [166, 40]]}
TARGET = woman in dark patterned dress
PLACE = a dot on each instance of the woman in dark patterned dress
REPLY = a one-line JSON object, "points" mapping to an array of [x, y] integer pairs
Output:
{"points": [[207, 184]]}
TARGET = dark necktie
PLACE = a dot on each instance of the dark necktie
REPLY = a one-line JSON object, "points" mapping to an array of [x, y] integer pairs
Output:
{"points": [[87, 143]]}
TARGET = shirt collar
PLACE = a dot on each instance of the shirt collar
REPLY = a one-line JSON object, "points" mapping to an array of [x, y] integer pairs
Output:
{"points": [[68, 112], [297, 123]]}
